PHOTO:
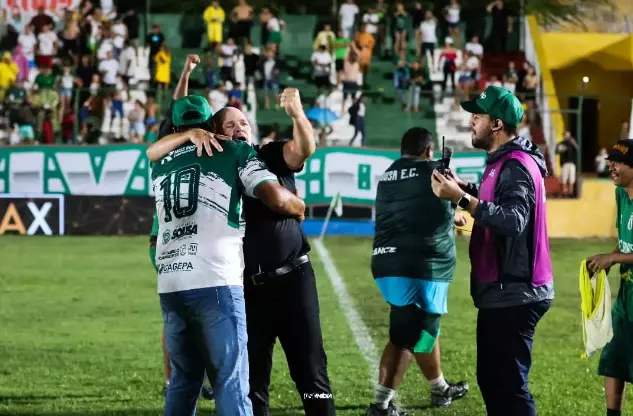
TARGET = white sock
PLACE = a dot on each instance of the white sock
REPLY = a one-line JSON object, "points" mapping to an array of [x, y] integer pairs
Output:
{"points": [[383, 396], [439, 384]]}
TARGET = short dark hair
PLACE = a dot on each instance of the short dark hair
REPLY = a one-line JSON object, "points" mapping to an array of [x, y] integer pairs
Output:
{"points": [[415, 141], [509, 129]]}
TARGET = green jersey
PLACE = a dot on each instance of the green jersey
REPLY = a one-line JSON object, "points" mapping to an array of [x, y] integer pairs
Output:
{"points": [[624, 223], [199, 206], [340, 47], [415, 235]]}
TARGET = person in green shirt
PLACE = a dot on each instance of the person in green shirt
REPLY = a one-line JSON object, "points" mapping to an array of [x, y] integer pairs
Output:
{"points": [[340, 48], [616, 360], [45, 79]]}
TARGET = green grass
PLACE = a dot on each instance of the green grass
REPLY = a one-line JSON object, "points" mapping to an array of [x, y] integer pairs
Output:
{"points": [[80, 333]]}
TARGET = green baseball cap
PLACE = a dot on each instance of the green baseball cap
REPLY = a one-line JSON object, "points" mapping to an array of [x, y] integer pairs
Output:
{"points": [[191, 110], [497, 103]]}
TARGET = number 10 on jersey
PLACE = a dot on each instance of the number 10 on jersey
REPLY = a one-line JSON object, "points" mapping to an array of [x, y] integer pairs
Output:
{"points": [[180, 186]]}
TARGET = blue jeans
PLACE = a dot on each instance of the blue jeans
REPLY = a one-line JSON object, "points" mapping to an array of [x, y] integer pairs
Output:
{"points": [[205, 329]]}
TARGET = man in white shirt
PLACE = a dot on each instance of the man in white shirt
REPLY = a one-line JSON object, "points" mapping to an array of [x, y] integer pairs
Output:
{"points": [[475, 48], [347, 15], [109, 68], [428, 27], [321, 63], [128, 62], [47, 42], [371, 20], [28, 42]]}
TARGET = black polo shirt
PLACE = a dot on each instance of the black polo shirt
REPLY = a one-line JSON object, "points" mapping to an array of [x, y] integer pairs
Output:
{"points": [[271, 239]]}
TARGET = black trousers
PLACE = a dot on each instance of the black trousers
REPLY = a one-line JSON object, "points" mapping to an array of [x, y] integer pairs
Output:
{"points": [[287, 307], [504, 357]]}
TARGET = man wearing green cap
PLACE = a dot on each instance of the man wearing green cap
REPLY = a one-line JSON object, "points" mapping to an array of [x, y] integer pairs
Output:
{"points": [[200, 260], [511, 271], [616, 360]]}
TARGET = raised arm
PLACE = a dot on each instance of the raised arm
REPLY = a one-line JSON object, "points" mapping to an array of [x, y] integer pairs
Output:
{"points": [[182, 89], [201, 138], [302, 145]]}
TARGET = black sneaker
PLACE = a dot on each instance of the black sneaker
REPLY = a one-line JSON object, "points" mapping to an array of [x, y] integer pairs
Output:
{"points": [[391, 410], [452, 393]]}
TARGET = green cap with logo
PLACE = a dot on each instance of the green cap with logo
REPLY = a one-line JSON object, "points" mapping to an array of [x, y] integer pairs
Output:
{"points": [[498, 103], [191, 110]]}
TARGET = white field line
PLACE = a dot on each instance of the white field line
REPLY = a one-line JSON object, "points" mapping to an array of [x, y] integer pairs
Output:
{"points": [[359, 329]]}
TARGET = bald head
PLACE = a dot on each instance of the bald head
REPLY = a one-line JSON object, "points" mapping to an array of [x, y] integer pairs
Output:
{"points": [[231, 122]]}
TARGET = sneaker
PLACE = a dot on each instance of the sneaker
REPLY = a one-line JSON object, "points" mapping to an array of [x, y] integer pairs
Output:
{"points": [[207, 392], [452, 393], [391, 410]]}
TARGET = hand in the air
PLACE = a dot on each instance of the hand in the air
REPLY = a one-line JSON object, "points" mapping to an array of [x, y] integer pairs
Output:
{"points": [[206, 140], [191, 62], [290, 100]]}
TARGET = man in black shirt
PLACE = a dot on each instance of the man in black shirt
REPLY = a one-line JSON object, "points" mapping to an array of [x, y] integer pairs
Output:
{"points": [[568, 151], [501, 26], [279, 282]]}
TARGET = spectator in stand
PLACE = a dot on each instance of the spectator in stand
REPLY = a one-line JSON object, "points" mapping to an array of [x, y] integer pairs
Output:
{"points": [[417, 15], [242, 17], [28, 41], [321, 63], [567, 149], [415, 88], [501, 26], [530, 82], [228, 52], [128, 61], [85, 73], [272, 135], [41, 20], [474, 47], [510, 78], [271, 77], [119, 35], [365, 43], [163, 68], [47, 46], [351, 75], [214, 17], [400, 31], [22, 63], [452, 15], [45, 80], [48, 135], [66, 84], [468, 78], [428, 27], [235, 96], [10, 39], [151, 110], [210, 74], [325, 37], [137, 124], [449, 66], [109, 69], [274, 26], [26, 121], [357, 113], [8, 74], [218, 97], [15, 19], [371, 19], [494, 81], [155, 39], [69, 42], [68, 126], [347, 17], [401, 83], [251, 60], [341, 44], [132, 23]]}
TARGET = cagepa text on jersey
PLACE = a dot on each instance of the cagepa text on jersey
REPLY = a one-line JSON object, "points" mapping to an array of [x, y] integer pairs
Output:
{"points": [[308, 396]]}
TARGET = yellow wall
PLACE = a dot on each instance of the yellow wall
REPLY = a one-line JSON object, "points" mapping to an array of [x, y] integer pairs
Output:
{"points": [[614, 89]]}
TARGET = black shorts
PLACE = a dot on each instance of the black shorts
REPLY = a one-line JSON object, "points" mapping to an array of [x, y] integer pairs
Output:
{"points": [[322, 81], [413, 329], [339, 63]]}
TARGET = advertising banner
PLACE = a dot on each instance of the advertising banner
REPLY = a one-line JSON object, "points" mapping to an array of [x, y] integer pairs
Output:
{"points": [[31, 7], [32, 214], [124, 170]]}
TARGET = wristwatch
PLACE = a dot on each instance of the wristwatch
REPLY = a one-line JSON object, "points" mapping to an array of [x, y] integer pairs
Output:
{"points": [[464, 201]]}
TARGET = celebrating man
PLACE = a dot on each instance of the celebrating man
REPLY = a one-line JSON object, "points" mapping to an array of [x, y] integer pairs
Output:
{"points": [[616, 361], [413, 263], [280, 287], [511, 270]]}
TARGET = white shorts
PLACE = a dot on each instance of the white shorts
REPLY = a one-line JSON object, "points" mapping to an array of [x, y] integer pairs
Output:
{"points": [[568, 174]]}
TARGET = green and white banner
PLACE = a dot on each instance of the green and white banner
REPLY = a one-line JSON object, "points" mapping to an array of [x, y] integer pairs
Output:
{"points": [[75, 170], [125, 170]]}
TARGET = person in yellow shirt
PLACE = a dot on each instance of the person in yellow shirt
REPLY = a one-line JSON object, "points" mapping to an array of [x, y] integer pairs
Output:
{"points": [[214, 17], [8, 74], [163, 67]]}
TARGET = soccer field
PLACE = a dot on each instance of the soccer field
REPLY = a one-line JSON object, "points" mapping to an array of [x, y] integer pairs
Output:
{"points": [[80, 332]]}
